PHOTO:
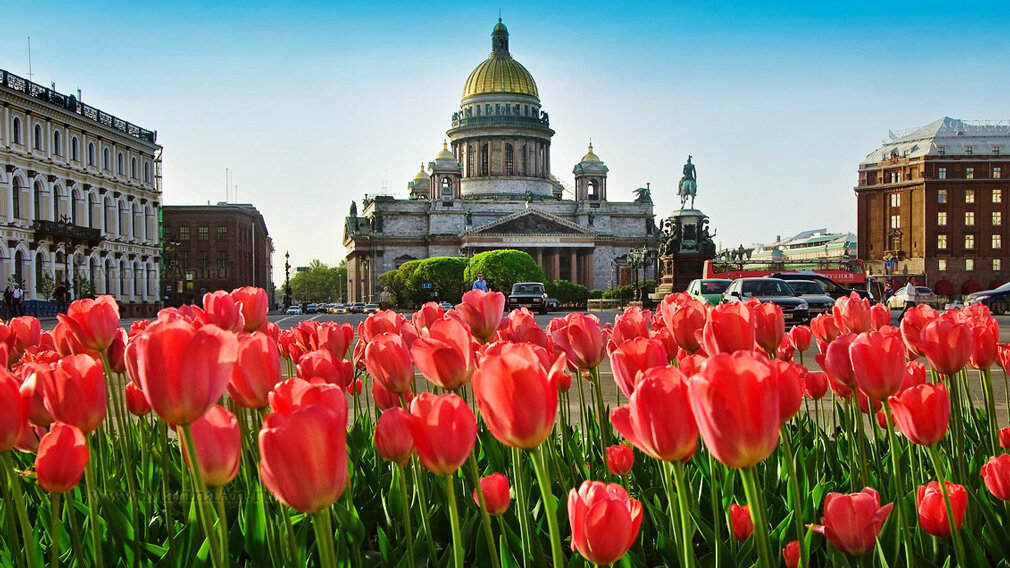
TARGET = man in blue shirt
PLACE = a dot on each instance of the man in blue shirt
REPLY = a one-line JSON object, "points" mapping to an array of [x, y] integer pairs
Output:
{"points": [[480, 284]]}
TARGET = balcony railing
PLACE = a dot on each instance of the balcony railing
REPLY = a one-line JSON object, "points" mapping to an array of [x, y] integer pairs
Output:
{"points": [[459, 121], [71, 104], [60, 232]]}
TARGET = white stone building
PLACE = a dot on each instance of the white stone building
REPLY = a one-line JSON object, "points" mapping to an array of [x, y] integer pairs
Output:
{"points": [[79, 198], [491, 187]]}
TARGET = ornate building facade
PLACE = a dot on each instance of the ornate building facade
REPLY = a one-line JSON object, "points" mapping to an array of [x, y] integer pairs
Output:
{"points": [[491, 187], [80, 199]]}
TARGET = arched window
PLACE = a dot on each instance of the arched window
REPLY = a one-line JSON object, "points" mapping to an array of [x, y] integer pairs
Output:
{"points": [[469, 160], [147, 172], [37, 201], [39, 271], [57, 202], [73, 150], [119, 164], [483, 160], [91, 154], [91, 210], [17, 199], [17, 130], [110, 216], [133, 168], [446, 187], [56, 143], [106, 164], [509, 160], [124, 218], [38, 137], [591, 190], [19, 261], [75, 199]]}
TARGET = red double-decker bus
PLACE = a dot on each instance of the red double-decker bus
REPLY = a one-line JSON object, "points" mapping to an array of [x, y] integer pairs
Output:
{"points": [[847, 273]]}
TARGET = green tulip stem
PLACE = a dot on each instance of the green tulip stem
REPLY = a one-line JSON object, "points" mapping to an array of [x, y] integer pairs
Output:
{"points": [[485, 517], [54, 531], [27, 534], [324, 538], [423, 504], [990, 411], [457, 539], [794, 487], [222, 520], [544, 479], [75, 530], [956, 425], [12, 530], [409, 531], [519, 476], [671, 499], [750, 486], [92, 490], [202, 500], [896, 472], [955, 534], [716, 502], [686, 523], [601, 416], [169, 523]]}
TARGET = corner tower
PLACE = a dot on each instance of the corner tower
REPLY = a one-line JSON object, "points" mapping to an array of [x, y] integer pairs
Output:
{"points": [[500, 135]]}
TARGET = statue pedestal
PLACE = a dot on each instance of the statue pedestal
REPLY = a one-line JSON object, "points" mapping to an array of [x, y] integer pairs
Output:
{"points": [[688, 245]]}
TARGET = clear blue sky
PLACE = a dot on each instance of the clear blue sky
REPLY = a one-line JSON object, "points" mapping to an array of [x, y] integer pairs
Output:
{"points": [[314, 104]]}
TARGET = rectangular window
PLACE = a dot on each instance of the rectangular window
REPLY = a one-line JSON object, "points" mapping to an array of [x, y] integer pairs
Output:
{"points": [[941, 264], [997, 196], [969, 218], [941, 218], [969, 150], [995, 149], [941, 241], [895, 221], [202, 258], [969, 173], [895, 200], [222, 259], [997, 218], [997, 265], [997, 241], [942, 173], [222, 232], [969, 196], [969, 264], [997, 173], [202, 233], [941, 150], [969, 242], [941, 196], [183, 233]]}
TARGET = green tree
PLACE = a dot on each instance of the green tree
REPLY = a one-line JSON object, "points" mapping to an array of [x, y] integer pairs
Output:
{"points": [[503, 268], [567, 293], [399, 283], [444, 273], [318, 284]]}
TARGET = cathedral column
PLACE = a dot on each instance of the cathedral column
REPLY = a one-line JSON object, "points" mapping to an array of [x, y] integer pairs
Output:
{"points": [[556, 260], [357, 279], [540, 256], [575, 266], [590, 269]]}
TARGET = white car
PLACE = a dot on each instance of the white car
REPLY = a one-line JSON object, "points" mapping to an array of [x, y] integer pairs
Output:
{"points": [[294, 311], [923, 295]]}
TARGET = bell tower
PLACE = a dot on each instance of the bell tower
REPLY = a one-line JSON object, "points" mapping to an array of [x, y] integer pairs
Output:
{"points": [[446, 175], [590, 178]]}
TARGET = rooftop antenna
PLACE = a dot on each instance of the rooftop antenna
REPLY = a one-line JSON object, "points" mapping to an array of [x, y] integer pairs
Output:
{"points": [[30, 58], [227, 183]]}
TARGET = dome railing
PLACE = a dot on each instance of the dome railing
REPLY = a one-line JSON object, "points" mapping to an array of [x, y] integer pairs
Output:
{"points": [[459, 120]]}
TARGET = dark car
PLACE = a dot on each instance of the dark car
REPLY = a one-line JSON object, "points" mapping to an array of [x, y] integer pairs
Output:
{"points": [[998, 300], [357, 308], [794, 310], [831, 288], [812, 293], [530, 295]]}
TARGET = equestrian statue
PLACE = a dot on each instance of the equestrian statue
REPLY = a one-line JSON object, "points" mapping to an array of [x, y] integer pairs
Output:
{"points": [[688, 184]]}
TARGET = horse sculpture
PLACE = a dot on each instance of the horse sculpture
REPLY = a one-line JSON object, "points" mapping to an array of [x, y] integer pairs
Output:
{"points": [[688, 187]]}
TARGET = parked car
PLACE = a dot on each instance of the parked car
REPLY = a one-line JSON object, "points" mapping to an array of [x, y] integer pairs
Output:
{"points": [[831, 288], [794, 310], [295, 310], [998, 299], [446, 306], [530, 295], [708, 290], [339, 309], [357, 308], [371, 309], [312, 309], [813, 295], [923, 295]]}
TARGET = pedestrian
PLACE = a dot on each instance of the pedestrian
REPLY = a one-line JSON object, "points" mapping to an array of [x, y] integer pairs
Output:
{"points": [[910, 297], [8, 302], [479, 283], [385, 298], [888, 292], [60, 294], [16, 297]]}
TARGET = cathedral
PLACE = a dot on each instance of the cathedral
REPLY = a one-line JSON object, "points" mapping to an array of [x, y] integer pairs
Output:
{"points": [[491, 187]]}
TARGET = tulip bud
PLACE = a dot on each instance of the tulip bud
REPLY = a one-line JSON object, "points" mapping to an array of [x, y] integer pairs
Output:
{"points": [[947, 343], [996, 474], [62, 456], [385, 400], [482, 312], [933, 511], [257, 369], [218, 444], [444, 430], [444, 354], [581, 338], [743, 524], [634, 322], [136, 402], [620, 459], [880, 315], [632, 358], [93, 322], [604, 520], [815, 385], [729, 328], [254, 305], [75, 392], [13, 412], [791, 554], [392, 436], [800, 336], [922, 413], [495, 488], [852, 522], [911, 326], [769, 326], [223, 311], [517, 401], [853, 313], [387, 359], [1004, 438]]}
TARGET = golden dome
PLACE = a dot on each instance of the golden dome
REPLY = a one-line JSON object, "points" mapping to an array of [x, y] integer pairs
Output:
{"points": [[445, 153], [590, 156], [499, 73], [421, 175]]}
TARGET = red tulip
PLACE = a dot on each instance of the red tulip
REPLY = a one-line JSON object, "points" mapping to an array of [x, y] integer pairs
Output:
{"points": [[33, 392], [321, 364], [815, 385], [495, 488], [444, 430], [789, 377], [430, 312], [933, 511], [29, 440], [729, 328], [75, 392], [13, 412], [558, 373], [385, 400], [743, 524], [517, 401], [304, 457], [582, 339], [257, 369], [791, 554], [947, 343], [62, 456], [878, 362], [392, 436], [25, 332], [387, 321], [836, 361], [354, 388], [1004, 438], [735, 400], [853, 313], [985, 336], [521, 327], [769, 326], [93, 322], [223, 311], [254, 304], [825, 328], [66, 341], [620, 459], [996, 474], [387, 359], [664, 336], [184, 370], [604, 520], [922, 413], [852, 522], [915, 374], [136, 402], [335, 338], [218, 444], [786, 351], [1002, 353], [880, 315], [912, 323], [658, 418], [482, 311], [633, 357], [116, 352], [444, 353], [800, 335], [292, 394], [683, 318], [634, 322]]}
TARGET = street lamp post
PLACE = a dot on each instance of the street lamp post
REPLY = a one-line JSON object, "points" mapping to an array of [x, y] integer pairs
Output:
{"points": [[287, 279]]}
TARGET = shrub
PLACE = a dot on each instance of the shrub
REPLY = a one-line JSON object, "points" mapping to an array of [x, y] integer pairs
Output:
{"points": [[444, 273], [568, 294], [503, 268]]}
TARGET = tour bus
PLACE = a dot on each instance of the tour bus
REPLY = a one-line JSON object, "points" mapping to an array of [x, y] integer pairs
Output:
{"points": [[847, 275]]}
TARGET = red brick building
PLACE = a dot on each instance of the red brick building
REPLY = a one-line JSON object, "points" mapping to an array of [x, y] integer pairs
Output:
{"points": [[934, 202], [214, 247]]}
